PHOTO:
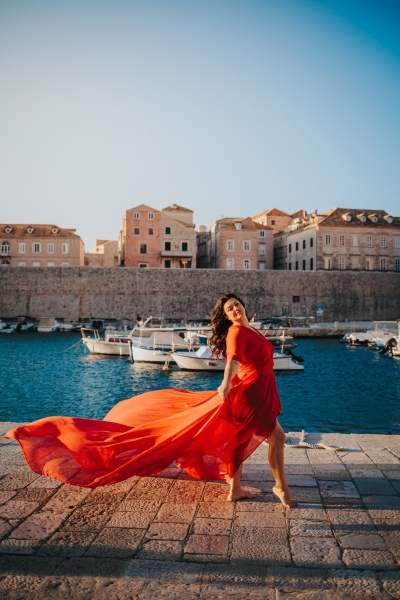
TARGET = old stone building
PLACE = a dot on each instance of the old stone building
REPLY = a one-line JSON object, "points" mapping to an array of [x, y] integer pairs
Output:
{"points": [[103, 253], [236, 243], [40, 246], [275, 218], [343, 239], [158, 238]]}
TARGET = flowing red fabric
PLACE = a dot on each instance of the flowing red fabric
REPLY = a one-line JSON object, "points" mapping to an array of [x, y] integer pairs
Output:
{"points": [[143, 435]]}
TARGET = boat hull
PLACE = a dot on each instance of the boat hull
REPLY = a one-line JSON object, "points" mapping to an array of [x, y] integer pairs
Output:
{"points": [[187, 361]]}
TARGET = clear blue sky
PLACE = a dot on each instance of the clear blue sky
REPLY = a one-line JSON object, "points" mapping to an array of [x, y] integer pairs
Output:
{"points": [[227, 107]]}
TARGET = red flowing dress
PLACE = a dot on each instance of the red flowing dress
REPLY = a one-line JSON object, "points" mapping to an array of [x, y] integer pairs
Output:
{"points": [[143, 435]]}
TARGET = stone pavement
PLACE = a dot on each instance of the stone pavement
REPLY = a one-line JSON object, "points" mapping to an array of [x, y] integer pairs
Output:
{"points": [[171, 537]]}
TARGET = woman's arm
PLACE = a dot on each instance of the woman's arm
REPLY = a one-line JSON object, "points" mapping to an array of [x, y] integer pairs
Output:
{"points": [[231, 369]]}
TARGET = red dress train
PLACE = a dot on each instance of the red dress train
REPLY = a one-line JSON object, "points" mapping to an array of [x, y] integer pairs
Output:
{"points": [[143, 435]]}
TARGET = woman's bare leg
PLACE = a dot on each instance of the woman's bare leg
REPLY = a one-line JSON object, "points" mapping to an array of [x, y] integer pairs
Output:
{"points": [[276, 443], [236, 491]]}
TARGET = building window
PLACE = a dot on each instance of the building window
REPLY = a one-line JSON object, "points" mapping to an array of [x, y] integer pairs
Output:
{"points": [[397, 242], [184, 246], [65, 248], [272, 221], [383, 242], [304, 265], [167, 264], [143, 265], [50, 264], [246, 245], [136, 231], [328, 262], [397, 264], [342, 240], [311, 263], [36, 264], [327, 240], [261, 249], [151, 231], [151, 216], [22, 264], [22, 247], [355, 240], [5, 249], [167, 246], [136, 216], [311, 242], [342, 262], [64, 264], [296, 266], [304, 244], [369, 264], [143, 249], [50, 248], [238, 226], [290, 266], [230, 264], [297, 246], [261, 233], [368, 241], [261, 266], [36, 248], [168, 231], [290, 247], [382, 263], [246, 264], [230, 245]]}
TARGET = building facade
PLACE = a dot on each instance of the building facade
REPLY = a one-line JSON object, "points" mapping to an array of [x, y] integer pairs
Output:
{"points": [[103, 253], [274, 218], [236, 243], [40, 246], [341, 239], [158, 238]]}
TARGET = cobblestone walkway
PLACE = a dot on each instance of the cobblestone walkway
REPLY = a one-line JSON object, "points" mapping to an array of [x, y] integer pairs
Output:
{"points": [[172, 537]]}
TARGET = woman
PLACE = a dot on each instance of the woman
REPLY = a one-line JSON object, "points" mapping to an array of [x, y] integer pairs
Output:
{"points": [[249, 387], [207, 434]]}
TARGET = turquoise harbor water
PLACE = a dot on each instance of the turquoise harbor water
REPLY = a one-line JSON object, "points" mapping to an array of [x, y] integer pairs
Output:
{"points": [[341, 389]]}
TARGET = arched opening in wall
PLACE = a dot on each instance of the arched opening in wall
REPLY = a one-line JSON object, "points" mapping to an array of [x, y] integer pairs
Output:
{"points": [[5, 263]]}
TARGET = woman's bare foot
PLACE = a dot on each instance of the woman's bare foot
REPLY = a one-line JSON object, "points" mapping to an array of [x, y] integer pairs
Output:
{"points": [[242, 493], [284, 496]]}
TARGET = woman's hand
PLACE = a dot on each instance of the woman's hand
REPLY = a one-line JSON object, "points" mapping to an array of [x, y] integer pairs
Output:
{"points": [[223, 390]]}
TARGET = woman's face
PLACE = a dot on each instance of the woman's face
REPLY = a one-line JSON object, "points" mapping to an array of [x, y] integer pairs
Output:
{"points": [[234, 310]]}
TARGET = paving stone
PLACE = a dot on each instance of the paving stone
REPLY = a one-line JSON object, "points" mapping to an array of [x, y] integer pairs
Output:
{"points": [[206, 558], [355, 458], [392, 472], [185, 492], [382, 502], [392, 539], [318, 553], [363, 583], [12, 546], [262, 503], [15, 509], [302, 469], [170, 512], [86, 566], [38, 526], [170, 550], [260, 546], [172, 591], [119, 543], [343, 503], [368, 559], [306, 495], [351, 521], [362, 541], [69, 588], [68, 543], [216, 510], [100, 497], [21, 587], [385, 519], [309, 512], [207, 544], [390, 583], [212, 526], [6, 495], [163, 571], [260, 519], [66, 498], [339, 489], [321, 457], [90, 517], [375, 486], [34, 495], [215, 492], [5, 528], [151, 488], [122, 486], [18, 479], [396, 486], [294, 579], [140, 505], [45, 482], [241, 579], [167, 531], [132, 520], [26, 565], [118, 589], [310, 529], [301, 481], [174, 474]]}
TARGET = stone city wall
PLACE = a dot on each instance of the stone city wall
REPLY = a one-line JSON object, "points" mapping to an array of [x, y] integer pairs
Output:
{"points": [[80, 293]]}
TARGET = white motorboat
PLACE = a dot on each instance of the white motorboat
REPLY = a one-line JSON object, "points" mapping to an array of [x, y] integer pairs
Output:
{"points": [[48, 324], [202, 360], [377, 335]]}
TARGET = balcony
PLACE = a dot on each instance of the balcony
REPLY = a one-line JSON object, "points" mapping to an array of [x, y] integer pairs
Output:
{"points": [[5, 251]]}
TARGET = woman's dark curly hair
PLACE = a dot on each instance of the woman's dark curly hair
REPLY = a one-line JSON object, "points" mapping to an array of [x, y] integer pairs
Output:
{"points": [[220, 325]]}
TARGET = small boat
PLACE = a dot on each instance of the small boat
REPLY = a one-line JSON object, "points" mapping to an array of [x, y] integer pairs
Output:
{"points": [[376, 336], [202, 360], [392, 345], [47, 324]]}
